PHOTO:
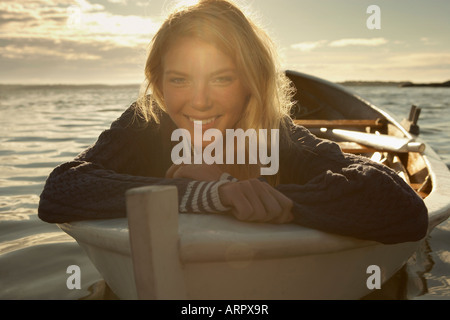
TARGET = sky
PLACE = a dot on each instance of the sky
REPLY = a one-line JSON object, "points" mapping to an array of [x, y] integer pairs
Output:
{"points": [[106, 41]]}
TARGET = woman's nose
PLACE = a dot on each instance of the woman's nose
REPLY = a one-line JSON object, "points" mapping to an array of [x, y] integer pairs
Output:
{"points": [[200, 97]]}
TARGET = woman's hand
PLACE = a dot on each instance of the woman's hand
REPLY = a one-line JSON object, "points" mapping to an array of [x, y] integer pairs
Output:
{"points": [[200, 172], [256, 201], [251, 200]]}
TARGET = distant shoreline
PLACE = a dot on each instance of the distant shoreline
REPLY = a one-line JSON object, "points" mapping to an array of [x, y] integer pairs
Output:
{"points": [[402, 84], [372, 83], [434, 85]]}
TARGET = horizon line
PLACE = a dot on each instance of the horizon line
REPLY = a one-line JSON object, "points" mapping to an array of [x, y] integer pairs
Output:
{"points": [[139, 84]]}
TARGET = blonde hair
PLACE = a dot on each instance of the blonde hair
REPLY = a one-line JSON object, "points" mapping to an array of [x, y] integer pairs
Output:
{"points": [[223, 24]]}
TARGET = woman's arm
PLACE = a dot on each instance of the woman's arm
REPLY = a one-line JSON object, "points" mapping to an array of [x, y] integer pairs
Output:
{"points": [[349, 195], [93, 185]]}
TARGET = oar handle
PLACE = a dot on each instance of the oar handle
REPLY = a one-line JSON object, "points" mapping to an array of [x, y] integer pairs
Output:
{"points": [[380, 142]]}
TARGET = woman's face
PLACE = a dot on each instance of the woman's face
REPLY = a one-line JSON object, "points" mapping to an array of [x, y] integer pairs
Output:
{"points": [[201, 83]]}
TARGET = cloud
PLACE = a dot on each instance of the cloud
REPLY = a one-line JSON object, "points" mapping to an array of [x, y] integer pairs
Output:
{"points": [[128, 31], [374, 42], [308, 46], [64, 23], [29, 13], [436, 60], [123, 2], [73, 41], [84, 5], [39, 52], [393, 65], [428, 42]]}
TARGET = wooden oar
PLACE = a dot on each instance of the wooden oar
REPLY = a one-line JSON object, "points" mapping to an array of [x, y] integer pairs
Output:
{"points": [[341, 123], [380, 142]]}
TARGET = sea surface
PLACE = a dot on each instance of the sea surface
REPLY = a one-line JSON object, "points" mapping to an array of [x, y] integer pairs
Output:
{"points": [[42, 127]]}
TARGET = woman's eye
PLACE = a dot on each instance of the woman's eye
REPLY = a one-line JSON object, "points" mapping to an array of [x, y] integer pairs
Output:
{"points": [[223, 80], [178, 81]]}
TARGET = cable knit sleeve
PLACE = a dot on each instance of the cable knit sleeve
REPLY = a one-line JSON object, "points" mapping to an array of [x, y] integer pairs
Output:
{"points": [[93, 185], [349, 195]]}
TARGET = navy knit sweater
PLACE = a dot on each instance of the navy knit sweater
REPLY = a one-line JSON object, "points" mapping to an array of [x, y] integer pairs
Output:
{"points": [[332, 191]]}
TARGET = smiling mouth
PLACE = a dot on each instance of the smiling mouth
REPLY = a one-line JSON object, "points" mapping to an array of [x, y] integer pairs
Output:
{"points": [[203, 121]]}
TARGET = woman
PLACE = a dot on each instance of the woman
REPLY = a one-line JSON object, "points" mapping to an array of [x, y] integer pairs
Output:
{"points": [[210, 67]]}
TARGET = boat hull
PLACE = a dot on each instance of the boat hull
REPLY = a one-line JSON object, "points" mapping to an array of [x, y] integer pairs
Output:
{"points": [[241, 270]]}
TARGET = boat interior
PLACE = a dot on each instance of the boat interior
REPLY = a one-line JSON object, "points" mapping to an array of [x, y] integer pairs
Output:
{"points": [[322, 106]]}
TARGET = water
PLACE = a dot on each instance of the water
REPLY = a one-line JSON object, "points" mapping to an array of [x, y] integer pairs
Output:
{"points": [[43, 127]]}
